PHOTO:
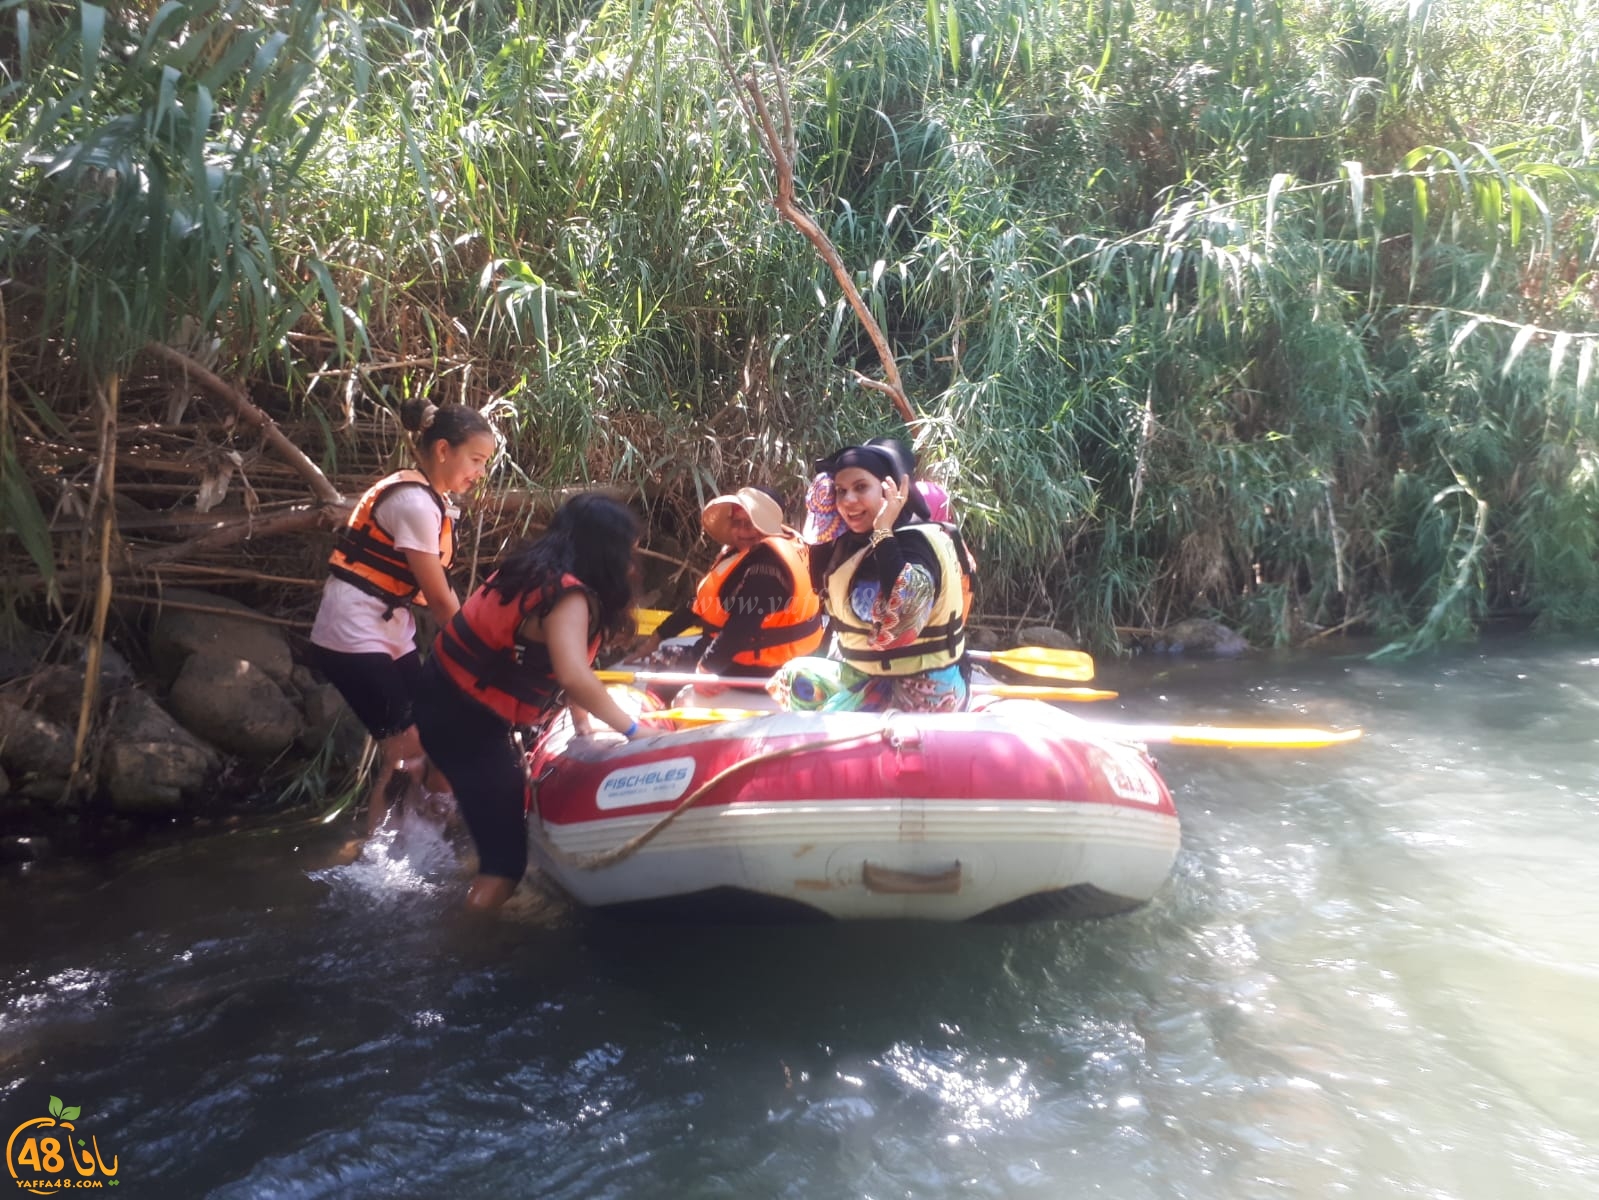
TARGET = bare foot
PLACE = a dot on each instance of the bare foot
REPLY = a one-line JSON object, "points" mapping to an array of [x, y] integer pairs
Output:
{"points": [[489, 892], [402, 789]]}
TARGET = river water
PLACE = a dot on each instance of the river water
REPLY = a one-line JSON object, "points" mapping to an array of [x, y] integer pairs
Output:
{"points": [[1373, 973]]}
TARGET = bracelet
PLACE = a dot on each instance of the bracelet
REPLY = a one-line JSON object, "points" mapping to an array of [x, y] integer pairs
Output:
{"points": [[879, 536], [631, 730]]}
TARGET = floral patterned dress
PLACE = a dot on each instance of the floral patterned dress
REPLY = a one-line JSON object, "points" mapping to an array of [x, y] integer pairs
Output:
{"points": [[895, 619]]}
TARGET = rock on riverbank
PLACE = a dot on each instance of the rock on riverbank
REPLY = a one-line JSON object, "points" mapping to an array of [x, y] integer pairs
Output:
{"points": [[219, 700]]}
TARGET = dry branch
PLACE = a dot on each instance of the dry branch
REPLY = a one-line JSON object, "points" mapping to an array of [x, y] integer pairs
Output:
{"points": [[274, 437], [105, 501], [789, 207]]}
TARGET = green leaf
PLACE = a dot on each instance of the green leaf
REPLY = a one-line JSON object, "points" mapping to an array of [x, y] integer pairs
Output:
{"points": [[1557, 355], [55, 1101], [70, 1114], [93, 37], [1463, 334], [1523, 336], [1278, 181], [266, 57], [154, 29], [330, 295], [1357, 191]]}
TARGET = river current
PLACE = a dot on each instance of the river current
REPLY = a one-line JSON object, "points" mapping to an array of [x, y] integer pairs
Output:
{"points": [[1374, 972]]}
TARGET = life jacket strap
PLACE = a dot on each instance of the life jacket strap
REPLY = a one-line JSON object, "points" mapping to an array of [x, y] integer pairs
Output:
{"points": [[489, 669]]}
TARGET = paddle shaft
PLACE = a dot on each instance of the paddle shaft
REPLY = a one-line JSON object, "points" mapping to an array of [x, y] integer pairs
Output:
{"points": [[690, 678], [1219, 736]]}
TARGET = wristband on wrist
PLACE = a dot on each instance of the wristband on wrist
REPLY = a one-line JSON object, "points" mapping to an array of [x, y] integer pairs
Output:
{"points": [[631, 730], [880, 535]]}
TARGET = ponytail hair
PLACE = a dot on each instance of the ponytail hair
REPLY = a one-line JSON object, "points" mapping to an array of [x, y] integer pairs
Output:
{"points": [[452, 423], [590, 536]]}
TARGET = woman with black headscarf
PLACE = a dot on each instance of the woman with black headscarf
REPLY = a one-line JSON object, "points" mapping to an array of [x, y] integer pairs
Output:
{"points": [[890, 584]]}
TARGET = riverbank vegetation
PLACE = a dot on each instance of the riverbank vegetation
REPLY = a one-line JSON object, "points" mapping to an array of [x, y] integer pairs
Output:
{"points": [[1282, 313]]}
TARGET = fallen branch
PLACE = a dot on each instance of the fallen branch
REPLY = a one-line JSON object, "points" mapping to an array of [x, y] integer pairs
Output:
{"points": [[226, 533], [235, 574], [186, 606], [274, 437]]}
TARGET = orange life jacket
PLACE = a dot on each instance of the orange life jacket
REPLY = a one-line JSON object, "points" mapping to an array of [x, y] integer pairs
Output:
{"points": [[365, 554], [483, 652], [793, 630]]}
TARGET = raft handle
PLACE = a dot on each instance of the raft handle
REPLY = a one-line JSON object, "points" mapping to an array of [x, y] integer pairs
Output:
{"points": [[890, 881]]}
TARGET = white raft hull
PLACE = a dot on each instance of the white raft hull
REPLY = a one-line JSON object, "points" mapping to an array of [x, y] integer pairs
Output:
{"points": [[1067, 824]]}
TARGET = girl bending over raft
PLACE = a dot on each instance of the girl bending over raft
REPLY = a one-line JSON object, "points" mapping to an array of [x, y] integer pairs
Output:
{"points": [[393, 553], [521, 645]]}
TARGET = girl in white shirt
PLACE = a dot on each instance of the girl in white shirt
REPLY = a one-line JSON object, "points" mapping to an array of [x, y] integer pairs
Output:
{"points": [[393, 552]]}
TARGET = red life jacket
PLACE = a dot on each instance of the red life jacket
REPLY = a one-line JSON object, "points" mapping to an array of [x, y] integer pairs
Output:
{"points": [[365, 554], [484, 653], [793, 630]]}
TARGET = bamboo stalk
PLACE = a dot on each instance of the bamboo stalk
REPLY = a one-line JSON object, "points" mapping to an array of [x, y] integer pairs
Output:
{"points": [[239, 573], [105, 498], [1334, 629], [186, 606]]}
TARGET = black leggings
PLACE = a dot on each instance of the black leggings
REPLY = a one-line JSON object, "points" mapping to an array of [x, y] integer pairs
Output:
{"points": [[473, 747], [378, 689]]}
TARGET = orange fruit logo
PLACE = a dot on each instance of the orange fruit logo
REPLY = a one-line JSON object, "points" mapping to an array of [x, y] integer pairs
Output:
{"points": [[47, 1153]]}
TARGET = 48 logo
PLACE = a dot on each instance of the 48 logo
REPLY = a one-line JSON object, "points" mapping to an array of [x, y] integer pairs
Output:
{"points": [[46, 1154]]}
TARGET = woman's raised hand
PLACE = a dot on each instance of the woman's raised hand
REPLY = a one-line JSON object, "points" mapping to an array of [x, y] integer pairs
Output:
{"points": [[895, 493]]}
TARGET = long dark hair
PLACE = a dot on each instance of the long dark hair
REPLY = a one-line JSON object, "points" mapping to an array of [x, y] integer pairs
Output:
{"points": [[453, 423], [590, 536]]}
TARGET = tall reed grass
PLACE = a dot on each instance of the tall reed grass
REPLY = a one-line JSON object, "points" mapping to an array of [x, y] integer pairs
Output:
{"points": [[1280, 312]]}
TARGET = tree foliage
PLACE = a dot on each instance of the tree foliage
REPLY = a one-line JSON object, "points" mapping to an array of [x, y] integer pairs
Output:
{"points": [[1283, 311]]}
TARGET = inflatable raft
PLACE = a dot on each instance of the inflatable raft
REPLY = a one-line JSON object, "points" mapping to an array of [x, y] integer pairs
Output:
{"points": [[1012, 812]]}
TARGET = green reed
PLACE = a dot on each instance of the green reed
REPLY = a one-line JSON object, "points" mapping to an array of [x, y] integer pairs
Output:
{"points": [[1282, 313]]}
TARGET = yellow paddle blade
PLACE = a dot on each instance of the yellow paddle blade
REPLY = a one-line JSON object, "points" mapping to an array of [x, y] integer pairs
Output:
{"points": [[1241, 737], [1075, 665], [1038, 691], [649, 620]]}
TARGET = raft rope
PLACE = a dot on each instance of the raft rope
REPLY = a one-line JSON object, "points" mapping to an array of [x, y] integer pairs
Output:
{"points": [[606, 858]]}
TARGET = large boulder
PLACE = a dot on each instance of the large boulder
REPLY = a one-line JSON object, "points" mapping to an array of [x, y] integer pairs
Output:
{"points": [[235, 705], [1046, 636], [31, 746], [979, 638], [328, 719], [21, 651], [179, 633], [1198, 636], [151, 763]]}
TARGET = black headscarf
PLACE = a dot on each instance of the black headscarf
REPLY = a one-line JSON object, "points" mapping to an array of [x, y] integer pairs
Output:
{"points": [[886, 458]]}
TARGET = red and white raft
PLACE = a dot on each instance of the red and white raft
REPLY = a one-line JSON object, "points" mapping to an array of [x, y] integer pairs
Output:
{"points": [[1009, 813]]}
